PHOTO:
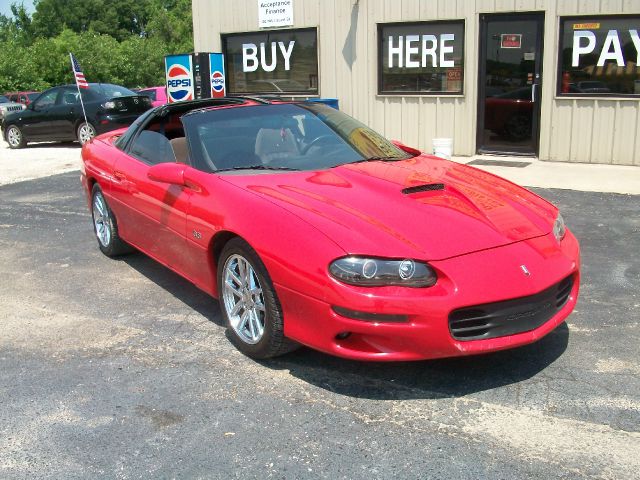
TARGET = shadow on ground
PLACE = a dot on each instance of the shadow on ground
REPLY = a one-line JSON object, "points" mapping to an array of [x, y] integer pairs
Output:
{"points": [[377, 380], [53, 145], [177, 286], [444, 378]]}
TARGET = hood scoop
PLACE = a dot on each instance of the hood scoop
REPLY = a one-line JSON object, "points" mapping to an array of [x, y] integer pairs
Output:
{"points": [[429, 187]]}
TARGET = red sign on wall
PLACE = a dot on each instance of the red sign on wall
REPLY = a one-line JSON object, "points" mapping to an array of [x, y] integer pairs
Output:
{"points": [[511, 40]]}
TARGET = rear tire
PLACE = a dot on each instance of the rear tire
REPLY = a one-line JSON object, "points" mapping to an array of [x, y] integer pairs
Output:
{"points": [[249, 304], [105, 226], [85, 132], [15, 138]]}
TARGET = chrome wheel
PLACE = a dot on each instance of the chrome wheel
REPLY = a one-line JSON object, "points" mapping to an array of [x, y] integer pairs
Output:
{"points": [[85, 133], [243, 299], [14, 136], [101, 220]]}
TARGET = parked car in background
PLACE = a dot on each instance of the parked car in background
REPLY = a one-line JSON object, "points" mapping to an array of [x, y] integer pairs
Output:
{"points": [[22, 97], [158, 95], [56, 115], [7, 106], [313, 229]]}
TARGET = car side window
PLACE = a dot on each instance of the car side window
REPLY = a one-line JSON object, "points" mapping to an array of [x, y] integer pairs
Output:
{"points": [[161, 141], [152, 148], [149, 93], [69, 97], [46, 100]]}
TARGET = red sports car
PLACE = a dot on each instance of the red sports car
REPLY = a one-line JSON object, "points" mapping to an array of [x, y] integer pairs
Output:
{"points": [[310, 228]]}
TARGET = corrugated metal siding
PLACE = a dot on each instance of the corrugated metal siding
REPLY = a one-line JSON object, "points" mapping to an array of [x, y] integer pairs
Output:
{"points": [[575, 130]]}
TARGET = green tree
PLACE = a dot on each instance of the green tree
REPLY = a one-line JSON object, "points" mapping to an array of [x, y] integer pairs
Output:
{"points": [[115, 41]]}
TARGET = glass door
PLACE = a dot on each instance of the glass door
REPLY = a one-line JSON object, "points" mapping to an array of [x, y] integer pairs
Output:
{"points": [[510, 81]]}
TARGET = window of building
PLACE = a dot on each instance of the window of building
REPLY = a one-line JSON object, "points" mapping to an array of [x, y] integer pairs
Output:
{"points": [[278, 61], [422, 58], [599, 56]]}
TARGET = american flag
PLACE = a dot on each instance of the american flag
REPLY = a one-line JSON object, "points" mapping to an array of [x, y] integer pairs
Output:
{"points": [[77, 71]]}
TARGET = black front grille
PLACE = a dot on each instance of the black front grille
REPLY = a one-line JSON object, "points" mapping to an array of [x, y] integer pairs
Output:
{"points": [[423, 188], [509, 317]]}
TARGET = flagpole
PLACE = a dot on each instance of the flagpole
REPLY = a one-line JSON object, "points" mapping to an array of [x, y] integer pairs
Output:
{"points": [[73, 69]]}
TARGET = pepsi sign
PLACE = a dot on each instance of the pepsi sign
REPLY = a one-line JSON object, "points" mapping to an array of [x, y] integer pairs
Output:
{"points": [[216, 75], [179, 74]]}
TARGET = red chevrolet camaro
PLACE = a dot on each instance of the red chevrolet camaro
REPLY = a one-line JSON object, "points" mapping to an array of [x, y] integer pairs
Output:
{"points": [[310, 228]]}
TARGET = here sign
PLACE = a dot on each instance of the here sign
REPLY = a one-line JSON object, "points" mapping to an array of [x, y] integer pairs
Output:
{"points": [[275, 13]]}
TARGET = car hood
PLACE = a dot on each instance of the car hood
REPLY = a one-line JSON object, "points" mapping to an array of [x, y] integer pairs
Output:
{"points": [[424, 207]]}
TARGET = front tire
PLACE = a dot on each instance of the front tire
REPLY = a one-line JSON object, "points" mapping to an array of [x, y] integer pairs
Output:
{"points": [[15, 138], [85, 132], [249, 304], [105, 227]]}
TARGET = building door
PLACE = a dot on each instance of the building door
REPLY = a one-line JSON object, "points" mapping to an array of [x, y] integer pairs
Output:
{"points": [[510, 81]]}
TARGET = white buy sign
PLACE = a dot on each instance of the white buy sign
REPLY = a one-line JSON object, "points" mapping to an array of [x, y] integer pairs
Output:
{"points": [[275, 13], [252, 57], [611, 48]]}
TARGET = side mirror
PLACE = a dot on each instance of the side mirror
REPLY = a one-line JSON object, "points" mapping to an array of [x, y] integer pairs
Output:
{"points": [[410, 150], [172, 173]]}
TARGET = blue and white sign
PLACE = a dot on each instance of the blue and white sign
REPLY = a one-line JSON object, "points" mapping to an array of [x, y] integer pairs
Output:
{"points": [[216, 75], [179, 74]]}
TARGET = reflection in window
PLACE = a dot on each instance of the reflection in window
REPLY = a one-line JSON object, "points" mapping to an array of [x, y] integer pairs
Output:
{"points": [[599, 56], [423, 58], [282, 61]]}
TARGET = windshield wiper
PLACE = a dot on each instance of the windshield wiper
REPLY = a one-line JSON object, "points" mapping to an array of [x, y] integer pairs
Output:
{"points": [[257, 167]]}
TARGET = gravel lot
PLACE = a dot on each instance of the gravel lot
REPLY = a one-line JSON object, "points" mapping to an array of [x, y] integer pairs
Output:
{"points": [[38, 160], [121, 369]]}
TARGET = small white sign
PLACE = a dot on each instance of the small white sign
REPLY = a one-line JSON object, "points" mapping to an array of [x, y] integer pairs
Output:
{"points": [[275, 13]]}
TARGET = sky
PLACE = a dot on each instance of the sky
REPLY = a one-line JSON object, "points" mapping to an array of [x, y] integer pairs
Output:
{"points": [[5, 6]]}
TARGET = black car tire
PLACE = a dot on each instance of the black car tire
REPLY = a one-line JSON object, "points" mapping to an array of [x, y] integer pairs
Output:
{"points": [[85, 132], [272, 341], [105, 226], [14, 137]]}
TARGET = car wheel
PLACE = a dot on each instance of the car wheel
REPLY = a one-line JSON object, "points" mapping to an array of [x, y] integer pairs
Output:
{"points": [[15, 138], [105, 227], [85, 132], [249, 304]]}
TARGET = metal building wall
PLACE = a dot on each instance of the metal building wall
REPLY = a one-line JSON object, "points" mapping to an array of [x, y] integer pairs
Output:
{"points": [[572, 129]]}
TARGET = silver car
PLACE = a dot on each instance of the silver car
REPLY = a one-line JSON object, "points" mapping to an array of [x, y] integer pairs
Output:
{"points": [[7, 106]]}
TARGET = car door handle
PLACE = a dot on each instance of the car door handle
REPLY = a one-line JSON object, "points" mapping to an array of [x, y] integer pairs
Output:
{"points": [[119, 176], [533, 92]]}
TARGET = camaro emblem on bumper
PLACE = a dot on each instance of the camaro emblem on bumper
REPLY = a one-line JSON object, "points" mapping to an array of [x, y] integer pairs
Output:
{"points": [[525, 270]]}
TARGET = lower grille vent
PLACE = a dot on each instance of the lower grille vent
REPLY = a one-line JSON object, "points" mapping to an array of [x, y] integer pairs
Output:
{"points": [[509, 317]]}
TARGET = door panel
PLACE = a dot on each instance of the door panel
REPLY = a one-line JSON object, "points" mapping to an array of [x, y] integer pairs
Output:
{"points": [[37, 123], [510, 81], [151, 215]]}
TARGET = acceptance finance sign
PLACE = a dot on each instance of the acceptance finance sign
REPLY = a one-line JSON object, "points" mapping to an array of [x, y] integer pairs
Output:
{"points": [[275, 13]]}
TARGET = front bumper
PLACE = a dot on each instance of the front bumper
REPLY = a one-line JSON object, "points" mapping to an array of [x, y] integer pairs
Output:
{"points": [[493, 275]]}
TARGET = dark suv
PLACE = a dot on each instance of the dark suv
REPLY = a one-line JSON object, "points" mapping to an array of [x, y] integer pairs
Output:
{"points": [[56, 115]]}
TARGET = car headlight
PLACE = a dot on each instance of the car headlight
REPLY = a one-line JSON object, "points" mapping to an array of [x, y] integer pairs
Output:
{"points": [[110, 105], [559, 228], [378, 272]]}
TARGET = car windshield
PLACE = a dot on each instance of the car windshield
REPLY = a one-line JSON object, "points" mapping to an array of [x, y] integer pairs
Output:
{"points": [[282, 137], [33, 96], [4, 99], [107, 90]]}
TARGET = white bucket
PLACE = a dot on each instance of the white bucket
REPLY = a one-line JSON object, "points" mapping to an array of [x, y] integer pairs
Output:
{"points": [[443, 147]]}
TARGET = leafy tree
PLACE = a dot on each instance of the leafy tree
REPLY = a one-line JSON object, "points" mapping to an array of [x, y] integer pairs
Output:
{"points": [[115, 41]]}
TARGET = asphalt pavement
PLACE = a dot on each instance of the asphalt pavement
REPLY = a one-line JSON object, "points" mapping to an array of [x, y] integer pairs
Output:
{"points": [[121, 369]]}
